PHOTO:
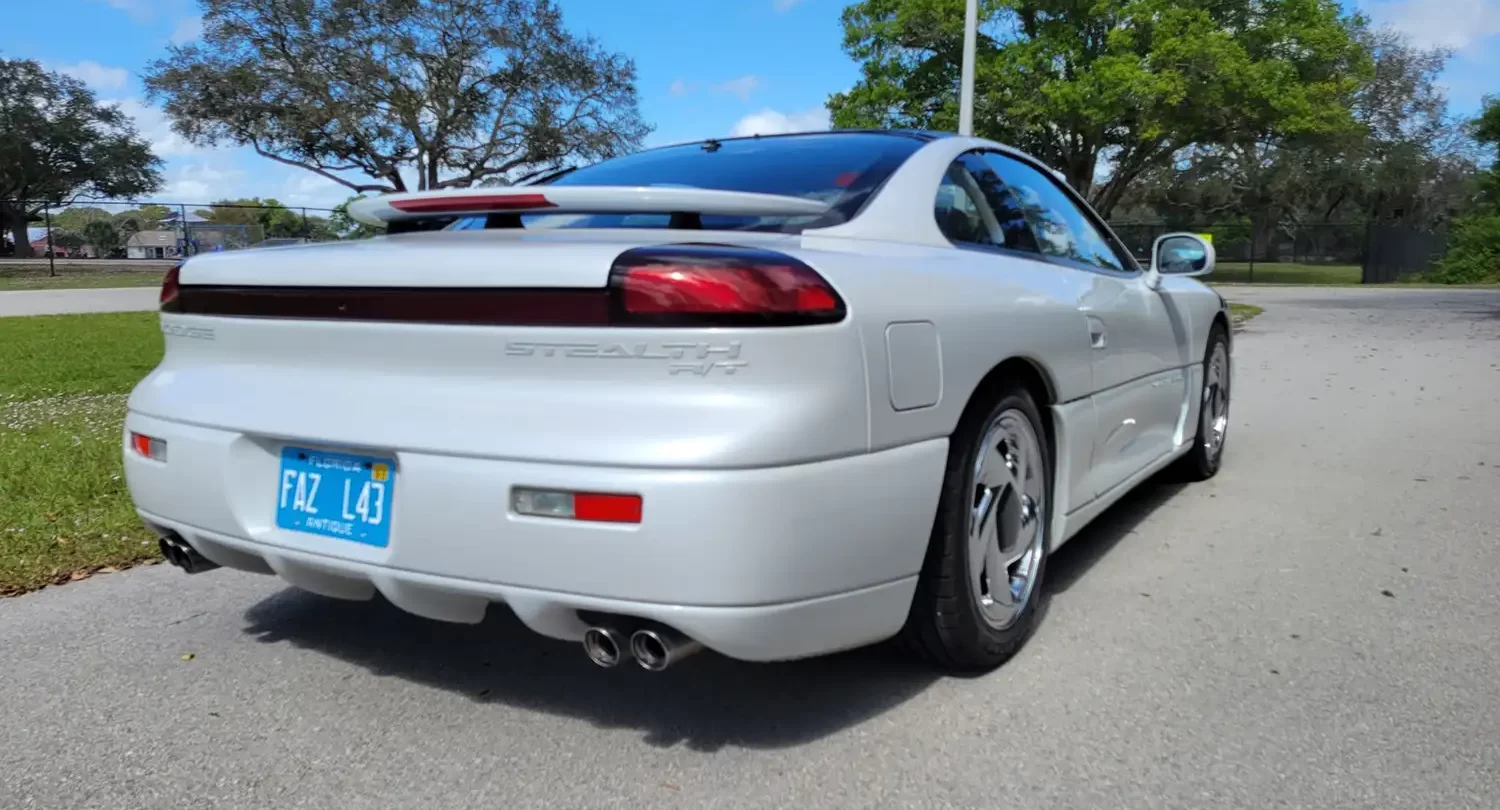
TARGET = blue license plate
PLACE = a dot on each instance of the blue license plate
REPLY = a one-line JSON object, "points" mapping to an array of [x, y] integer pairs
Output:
{"points": [[336, 495]]}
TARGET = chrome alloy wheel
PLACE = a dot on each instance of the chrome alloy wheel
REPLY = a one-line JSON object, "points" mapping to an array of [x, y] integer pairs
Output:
{"points": [[1005, 527], [1216, 401]]}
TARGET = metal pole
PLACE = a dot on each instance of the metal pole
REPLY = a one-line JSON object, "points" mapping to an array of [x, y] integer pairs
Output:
{"points": [[51, 252], [182, 209], [966, 83]]}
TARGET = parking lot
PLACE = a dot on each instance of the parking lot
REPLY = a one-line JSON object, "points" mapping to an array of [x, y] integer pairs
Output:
{"points": [[1318, 626]]}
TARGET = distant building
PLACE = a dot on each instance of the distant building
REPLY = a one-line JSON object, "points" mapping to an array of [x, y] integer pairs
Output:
{"points": [[152, 245]]}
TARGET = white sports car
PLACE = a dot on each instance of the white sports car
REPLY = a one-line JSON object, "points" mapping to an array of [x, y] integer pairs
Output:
{"points": [[774, 397]]}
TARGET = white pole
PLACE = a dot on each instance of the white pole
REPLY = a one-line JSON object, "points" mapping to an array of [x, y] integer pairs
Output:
{"points": [[966, 86]]}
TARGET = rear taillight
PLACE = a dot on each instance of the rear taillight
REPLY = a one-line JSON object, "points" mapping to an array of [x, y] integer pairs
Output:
{"points": [[171, 288], [714, 285], [668, 285]]}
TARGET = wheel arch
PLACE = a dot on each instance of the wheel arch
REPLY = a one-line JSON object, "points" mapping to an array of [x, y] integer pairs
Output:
{"points": [[1029, 373]]}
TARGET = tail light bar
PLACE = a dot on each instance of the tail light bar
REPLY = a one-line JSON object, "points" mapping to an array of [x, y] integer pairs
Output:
{"points": [[666, 285], [716, 285]]}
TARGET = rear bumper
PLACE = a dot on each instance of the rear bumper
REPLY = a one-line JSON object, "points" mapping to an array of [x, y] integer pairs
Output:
{"points": [[760, 564]]}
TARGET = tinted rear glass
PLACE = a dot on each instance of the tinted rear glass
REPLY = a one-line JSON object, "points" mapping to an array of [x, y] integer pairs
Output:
{"points": [[842, 169]]}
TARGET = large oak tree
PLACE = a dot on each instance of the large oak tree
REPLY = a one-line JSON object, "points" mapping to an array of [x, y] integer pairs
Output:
{"points": [[456, 92], [1104, 90], [58, 143]]}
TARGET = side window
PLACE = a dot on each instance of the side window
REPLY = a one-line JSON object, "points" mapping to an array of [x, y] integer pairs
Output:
{"points": [[974, 207], [1003, 204], [957, 212], [1062, 229]]}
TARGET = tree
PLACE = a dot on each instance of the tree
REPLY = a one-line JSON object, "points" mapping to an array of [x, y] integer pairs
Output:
{"points": [[60, 144], [146, 218], [1473, 255], [76, 217], [457, 92], [1405, 158], [104, 236], [347, 227], [1118, 85]]}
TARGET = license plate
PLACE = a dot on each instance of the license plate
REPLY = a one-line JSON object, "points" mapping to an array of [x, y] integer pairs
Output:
{"points": [[336, 495]]}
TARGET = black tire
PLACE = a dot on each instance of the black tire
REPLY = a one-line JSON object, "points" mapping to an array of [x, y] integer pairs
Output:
{"points": [[945, 625], [1203, 460]]}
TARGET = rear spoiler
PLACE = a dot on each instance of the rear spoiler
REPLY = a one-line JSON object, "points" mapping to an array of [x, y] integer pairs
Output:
{"points": [[428, 205]]}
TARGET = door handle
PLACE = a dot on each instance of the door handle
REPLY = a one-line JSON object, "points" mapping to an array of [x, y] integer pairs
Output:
{"points": [[1097, 338]]}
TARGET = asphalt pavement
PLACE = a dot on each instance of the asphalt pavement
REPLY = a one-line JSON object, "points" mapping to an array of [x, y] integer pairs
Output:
{"points": [[1317, 627], [59, 302]]}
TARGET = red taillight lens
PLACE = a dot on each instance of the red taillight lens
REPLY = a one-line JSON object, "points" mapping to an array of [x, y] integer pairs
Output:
{"points": [[597, 507], [720, 285], [148, 446], [170, 288]]}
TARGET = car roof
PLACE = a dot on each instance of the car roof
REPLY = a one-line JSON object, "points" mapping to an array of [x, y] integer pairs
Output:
{"points": [[918, 134]]}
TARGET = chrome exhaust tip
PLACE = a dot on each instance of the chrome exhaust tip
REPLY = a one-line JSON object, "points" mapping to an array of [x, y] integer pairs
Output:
{"points": [[656, 648], [604, 645], [179, 553]]}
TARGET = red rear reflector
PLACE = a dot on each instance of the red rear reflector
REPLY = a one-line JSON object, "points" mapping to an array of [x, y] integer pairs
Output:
{"points": [[591, 506], [472, 203], [607, 508], [171, 287], [148, 446], [720, 285]]}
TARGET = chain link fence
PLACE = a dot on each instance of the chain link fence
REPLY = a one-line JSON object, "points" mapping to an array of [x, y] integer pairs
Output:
{"points": [[1325, 252], [104, 236]]}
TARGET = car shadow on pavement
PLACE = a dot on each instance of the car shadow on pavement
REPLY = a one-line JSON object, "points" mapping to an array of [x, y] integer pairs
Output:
{"points": [[706, 702], [1071, 562]]}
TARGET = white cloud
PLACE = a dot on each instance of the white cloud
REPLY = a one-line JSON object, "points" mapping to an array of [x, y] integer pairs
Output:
{"points": [[304, 188], [681, 88], [1455, 24], [772, 122], [741, 87], [187, 30], [784, 5], [200, 184], [96, 75], [156, 129], [139, 9]]}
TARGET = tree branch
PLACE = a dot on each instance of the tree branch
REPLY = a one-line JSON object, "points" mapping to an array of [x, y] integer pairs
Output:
{"points": [[357, 187]]}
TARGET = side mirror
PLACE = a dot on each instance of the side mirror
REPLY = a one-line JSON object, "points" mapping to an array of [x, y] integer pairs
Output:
{"points": [[1181, 254]]}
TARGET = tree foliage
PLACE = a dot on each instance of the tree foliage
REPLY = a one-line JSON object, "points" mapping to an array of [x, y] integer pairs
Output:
{"points": [[1474, 244], [347, 227], [59, 143], [105, 237], [457, 92], [1129, 83]]}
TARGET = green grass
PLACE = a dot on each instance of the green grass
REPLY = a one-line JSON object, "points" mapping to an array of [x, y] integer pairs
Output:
{"points": [[1239, 313], [74, 280], [64, 510], [1285, 273]]}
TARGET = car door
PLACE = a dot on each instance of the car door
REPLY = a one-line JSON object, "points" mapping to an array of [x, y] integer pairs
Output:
{"points": [[1139, 384], [979, 214]]}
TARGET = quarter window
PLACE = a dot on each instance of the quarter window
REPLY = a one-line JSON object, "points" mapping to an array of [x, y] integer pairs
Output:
{"points": [[974, 207], [1062, 229]]}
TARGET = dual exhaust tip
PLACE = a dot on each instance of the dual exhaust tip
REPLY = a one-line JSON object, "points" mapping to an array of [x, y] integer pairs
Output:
{"points": [[184, 556], [654, 647]]}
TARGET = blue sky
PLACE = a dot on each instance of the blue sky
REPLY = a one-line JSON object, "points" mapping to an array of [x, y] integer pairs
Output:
{"points": [[706, 68]]}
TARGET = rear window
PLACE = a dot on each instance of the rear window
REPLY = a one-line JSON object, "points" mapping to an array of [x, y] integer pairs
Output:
{"points": [[842, 169]]}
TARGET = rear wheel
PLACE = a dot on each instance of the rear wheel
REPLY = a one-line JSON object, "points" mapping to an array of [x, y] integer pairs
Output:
{"points": [[1202, 462], [980, 585]]}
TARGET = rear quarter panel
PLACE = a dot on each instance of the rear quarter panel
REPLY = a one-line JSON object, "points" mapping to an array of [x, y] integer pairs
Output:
{"points": [[985, 309]]}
